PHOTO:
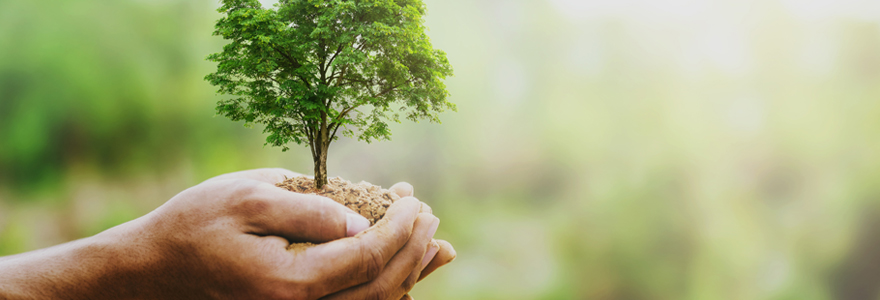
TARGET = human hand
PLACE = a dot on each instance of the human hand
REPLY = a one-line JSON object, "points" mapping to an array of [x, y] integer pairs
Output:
{"points": [[226, 238], [442, 251], [439, 252], [392, 284]]}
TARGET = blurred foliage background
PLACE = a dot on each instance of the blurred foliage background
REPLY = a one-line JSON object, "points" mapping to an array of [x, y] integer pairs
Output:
{"points": [[636, 149]]}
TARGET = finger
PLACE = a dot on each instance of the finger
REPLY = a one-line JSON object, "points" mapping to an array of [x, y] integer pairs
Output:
{"points": [[297, 217], [402, 189], [426, 209], [445, 255], [267, 175], [275, 242], [433, 248], [395, 280], [357, 260]]}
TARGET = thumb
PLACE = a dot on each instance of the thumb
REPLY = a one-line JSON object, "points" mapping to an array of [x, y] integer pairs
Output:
{"points": [[299, 217]]}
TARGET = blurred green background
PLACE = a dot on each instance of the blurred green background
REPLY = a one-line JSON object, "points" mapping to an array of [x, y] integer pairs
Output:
{"points": [[634, 149]]}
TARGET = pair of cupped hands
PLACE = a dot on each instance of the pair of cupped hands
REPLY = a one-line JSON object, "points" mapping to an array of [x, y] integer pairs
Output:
{"points": [[227, 238]]}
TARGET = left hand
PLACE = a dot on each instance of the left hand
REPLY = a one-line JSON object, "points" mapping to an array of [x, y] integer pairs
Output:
{"points": [[439, 253]]}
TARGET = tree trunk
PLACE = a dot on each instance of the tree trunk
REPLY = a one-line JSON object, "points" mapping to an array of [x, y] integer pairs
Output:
{"points": [[321, 145], [321, 167]]}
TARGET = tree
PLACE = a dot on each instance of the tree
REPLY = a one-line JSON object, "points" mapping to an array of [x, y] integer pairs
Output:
{"points": [[311, 69]]}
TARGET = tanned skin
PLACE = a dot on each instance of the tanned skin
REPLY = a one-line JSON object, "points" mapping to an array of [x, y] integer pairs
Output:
{"points": [[226, 238]]}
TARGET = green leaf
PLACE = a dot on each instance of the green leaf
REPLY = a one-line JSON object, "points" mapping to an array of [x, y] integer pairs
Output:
{"points": [[305, 66]]}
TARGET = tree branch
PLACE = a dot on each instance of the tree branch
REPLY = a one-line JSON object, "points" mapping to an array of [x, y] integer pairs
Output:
{"points": [[294, 64], [391, 89], [334, 131], [340, 116], [338, 50], [342, 74], [311, 140], [322, 71], [308, 132], [276, 81], [346, 111], [350, 80], [327, 104], [322, 68]]}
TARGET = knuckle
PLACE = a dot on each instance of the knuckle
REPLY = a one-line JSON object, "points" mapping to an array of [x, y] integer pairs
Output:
{"points": [[426, 209], [242, 188], [251, 206], [411, 200], [378, 291], [328, 209], [409, 283], [374, 262], [328, 212], [399, 232]]}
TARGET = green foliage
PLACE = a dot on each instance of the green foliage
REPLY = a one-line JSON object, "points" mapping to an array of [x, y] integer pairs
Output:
{"points": [[92, 82], [308, 69]]}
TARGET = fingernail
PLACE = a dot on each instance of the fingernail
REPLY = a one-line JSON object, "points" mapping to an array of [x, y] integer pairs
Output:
{"points": [[355, 223], [432, 251], [407, 188], [434, 226], [426, 208]]}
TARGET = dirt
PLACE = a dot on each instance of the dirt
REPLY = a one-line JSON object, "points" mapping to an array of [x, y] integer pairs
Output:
{"points": [[368, 200]]}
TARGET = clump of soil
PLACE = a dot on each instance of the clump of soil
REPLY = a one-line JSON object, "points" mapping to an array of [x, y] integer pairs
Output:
{"points": [[364, 198]]}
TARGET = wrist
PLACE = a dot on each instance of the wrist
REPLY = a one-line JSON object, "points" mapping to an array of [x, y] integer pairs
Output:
{"points": [[96, 267]]}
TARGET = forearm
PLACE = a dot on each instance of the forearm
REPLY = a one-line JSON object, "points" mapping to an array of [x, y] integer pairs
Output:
{"points": [[90, 268], [47, 273]]}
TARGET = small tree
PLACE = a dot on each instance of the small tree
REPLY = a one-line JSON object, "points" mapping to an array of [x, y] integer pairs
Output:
{"points": [[310, 69]]}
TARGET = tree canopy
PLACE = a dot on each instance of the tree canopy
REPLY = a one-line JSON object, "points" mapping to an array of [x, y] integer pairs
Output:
{"points": [[310, 69]]}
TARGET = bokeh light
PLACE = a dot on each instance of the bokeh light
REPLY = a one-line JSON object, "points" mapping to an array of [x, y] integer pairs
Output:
{"points": [[635, 149]]}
